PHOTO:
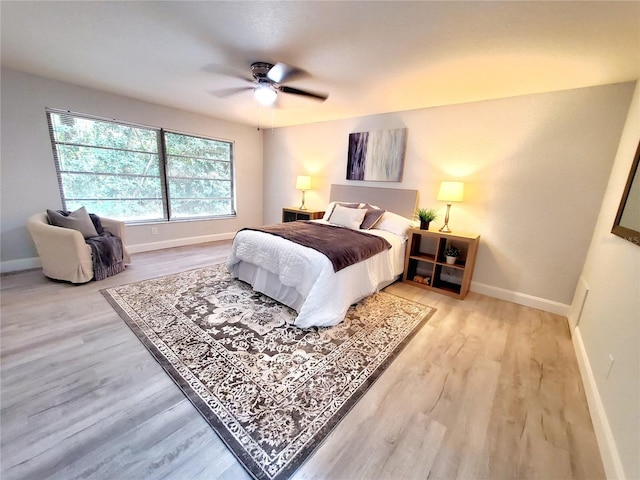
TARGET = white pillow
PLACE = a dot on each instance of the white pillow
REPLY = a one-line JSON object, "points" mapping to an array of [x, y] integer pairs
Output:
{"points": [[329, 210], [394, 223], [347, 217]]}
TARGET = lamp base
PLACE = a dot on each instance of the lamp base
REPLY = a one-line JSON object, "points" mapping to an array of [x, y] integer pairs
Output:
{"points": [[445, 228], [302, 206]]}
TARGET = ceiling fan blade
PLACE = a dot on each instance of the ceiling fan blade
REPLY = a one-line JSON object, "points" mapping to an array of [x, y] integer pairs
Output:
{"points": [[318, 96], [227, 92], [282, 72]]}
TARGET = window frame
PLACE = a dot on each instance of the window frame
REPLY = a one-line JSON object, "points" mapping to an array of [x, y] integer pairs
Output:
{"points": [[232, 176], [163, 158]]}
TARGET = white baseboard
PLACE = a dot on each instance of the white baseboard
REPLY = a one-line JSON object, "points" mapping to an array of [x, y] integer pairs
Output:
{"points": [[179, 242], [20, 264], [521, 298], [34, 262], [606, 443]]}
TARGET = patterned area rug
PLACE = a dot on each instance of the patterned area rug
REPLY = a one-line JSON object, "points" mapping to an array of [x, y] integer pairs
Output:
{"points": [[270, 390]]}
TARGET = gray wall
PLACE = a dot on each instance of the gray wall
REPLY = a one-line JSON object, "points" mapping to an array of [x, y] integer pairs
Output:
{"points": [[609, 322], [535, 169], [29, 184]]}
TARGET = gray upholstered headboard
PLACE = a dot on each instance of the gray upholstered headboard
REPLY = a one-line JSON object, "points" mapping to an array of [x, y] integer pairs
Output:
{"points": [[402, 202]]}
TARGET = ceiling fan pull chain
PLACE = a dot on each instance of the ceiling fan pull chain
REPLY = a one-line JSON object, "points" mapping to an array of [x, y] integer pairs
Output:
{"points": [[259, 110]]}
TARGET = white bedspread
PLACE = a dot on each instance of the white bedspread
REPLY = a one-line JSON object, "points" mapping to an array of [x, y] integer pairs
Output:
{"points": [[304, 279]]}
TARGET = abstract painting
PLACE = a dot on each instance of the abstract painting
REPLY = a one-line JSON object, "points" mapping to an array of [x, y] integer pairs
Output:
{"points": [[377, 156]]}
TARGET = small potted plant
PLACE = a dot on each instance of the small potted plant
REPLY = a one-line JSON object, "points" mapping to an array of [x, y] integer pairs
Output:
{"points": [[426, 216], [451, 254]]}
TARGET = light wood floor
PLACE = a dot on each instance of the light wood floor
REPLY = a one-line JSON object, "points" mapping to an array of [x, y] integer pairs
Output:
{"points": [[487, 389]]}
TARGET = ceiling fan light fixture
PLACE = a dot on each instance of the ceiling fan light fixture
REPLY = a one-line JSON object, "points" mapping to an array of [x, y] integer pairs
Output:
{"points": [[265, 94]]}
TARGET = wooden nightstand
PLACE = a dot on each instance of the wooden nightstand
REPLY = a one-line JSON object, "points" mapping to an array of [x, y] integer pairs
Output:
{"points": [[293, 214], [425, 265]]}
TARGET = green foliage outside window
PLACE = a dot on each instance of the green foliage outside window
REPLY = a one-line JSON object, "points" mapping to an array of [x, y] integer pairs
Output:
{"points": [[120, 171]]}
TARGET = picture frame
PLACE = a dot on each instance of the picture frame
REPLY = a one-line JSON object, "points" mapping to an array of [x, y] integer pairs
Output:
{"points": [[377, 156], [627, 222]]}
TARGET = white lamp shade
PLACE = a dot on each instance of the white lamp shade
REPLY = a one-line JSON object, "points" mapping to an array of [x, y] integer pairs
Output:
{"points": [[303, 182], [451, 192]]}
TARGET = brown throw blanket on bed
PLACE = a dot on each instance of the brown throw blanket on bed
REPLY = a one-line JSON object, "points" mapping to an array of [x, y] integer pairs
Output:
{"points": [[342, 246]]}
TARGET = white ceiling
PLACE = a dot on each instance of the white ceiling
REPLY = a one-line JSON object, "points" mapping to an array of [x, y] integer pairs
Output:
{"points": [[371, 57]]}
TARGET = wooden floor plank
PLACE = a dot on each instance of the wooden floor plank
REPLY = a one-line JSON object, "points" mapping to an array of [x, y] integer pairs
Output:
{"points": [[486, 389]]}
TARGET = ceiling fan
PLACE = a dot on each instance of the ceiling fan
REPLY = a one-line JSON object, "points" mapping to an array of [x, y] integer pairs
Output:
{"points": [[268, 80]]}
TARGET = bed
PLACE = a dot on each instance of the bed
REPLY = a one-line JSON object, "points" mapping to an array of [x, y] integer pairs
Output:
{"points": [[304, 279]]}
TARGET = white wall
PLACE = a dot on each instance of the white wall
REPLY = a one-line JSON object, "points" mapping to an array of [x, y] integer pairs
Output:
{"points": [[610, 322], [535, 169], [29, 184]]}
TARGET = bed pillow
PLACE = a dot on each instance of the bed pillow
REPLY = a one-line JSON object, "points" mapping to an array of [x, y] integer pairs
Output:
{"points": [[394, 223], [330, 207], [347, 217], [78, 220], [373, 216], [366, 205]]}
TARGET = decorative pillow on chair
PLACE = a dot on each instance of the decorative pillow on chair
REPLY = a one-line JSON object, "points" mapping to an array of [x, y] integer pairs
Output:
{"points": [[78, 220], [347, 217]]}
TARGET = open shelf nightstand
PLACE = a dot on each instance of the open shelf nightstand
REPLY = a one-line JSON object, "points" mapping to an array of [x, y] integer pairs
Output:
{"points": [[293, 214], [425, 265]]}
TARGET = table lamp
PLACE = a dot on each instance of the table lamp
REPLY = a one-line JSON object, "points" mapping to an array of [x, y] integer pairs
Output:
{"points": [[303, 182], [450, 192]]}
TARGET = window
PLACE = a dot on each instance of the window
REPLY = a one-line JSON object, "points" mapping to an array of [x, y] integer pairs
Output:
{"points": [[140, 174], [198, 176]]}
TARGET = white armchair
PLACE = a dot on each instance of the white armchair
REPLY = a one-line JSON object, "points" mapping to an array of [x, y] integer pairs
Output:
{"points": [[63, 251]]}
